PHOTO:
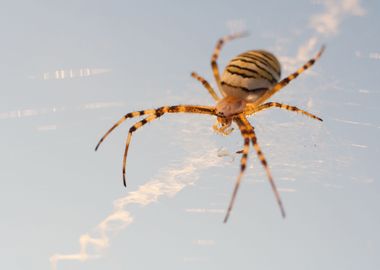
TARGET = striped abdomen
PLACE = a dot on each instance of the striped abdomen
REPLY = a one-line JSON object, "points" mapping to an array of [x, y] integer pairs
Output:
{"points": [[250, 74]]}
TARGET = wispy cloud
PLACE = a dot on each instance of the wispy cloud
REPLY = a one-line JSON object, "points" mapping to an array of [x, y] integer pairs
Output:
{"points": [[328, 22], [169, 182], [323, 25], [305, 51]]}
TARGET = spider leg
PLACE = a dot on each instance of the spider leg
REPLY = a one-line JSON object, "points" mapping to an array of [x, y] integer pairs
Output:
{"points": [[154, 114], [288, 79], [215, 55], [243, 165], [165, 109], [242, 121], [125, 117], [251, 109], [136, 126], [206, 85]]}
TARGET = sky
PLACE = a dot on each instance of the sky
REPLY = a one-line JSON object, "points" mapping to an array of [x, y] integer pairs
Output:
{"points": [[70, 69]]}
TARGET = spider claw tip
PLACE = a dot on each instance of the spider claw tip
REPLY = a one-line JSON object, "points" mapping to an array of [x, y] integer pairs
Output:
{"points": [[283, 213], [226, 218], [97, 146]]}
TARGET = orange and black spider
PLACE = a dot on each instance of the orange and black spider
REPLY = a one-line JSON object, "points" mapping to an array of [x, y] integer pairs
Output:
{"points": [[248, 80]]}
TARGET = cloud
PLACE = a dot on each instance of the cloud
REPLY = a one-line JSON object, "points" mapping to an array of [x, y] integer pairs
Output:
{"points": [[305, 51], [324, 24], [169, 182], [328, 22]]}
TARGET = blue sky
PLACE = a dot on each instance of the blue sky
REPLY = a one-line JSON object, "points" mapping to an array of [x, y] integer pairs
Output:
{"points": [[71, 69]]}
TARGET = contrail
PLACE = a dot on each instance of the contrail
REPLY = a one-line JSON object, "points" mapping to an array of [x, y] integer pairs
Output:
{"points": [[169, 182]]}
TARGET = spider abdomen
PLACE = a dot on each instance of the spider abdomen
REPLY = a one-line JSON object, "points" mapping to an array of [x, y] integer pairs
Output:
{"points": [[248, 75]]}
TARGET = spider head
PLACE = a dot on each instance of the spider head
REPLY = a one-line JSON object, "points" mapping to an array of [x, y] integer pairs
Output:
{"points": [[230, 106]]}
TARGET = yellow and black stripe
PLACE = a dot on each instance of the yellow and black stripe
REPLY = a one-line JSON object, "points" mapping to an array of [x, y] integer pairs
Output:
{"points": [[248, 133], [215, 55], [161, 110], [262, 63], [288, 79], [252, 109], [243, 166], [255, 65], [249, 75], [206, 85], [153, 115], [253, 76]]}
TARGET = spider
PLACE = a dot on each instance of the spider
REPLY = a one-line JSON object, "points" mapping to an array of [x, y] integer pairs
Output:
{"points": [[247, 82]]}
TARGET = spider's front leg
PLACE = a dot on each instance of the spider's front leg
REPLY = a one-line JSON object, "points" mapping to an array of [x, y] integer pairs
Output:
{"points": [[153, 115]]}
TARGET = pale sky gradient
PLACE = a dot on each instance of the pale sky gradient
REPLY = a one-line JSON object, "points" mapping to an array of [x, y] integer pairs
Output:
{"points": [[70, 69]]}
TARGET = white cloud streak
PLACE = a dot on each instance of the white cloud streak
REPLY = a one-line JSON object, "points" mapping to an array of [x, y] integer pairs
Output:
{"points": [[168, 183], [324, 24], [328, 22]]}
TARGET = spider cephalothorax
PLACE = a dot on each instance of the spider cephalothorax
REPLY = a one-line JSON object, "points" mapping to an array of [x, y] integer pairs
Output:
{"points": [[247, 82]]}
